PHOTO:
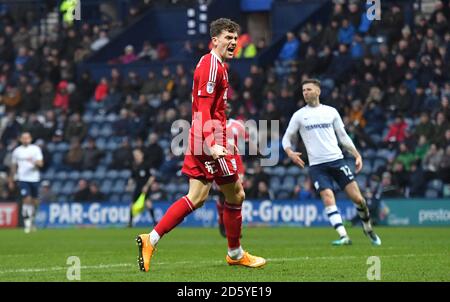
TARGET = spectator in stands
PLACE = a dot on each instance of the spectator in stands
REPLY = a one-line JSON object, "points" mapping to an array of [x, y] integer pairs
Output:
{"points": [[7, 188], [31, 103], [263, 191], [432, 161], [288, 54], [440, 127], [74, 156], [101, 41], [397, 130], [390, 189], [154, 154], [421, 148], [61, 100], [156, 193], [245, 47], [46, 195], [417, 180], [129, 56], [47, 95], [424, 127], [91, 155], [101, 91], [82, 193], [94, 194], [405, 157], [444, 167], [148, 52], [303, 192], [346, 32], [76, 129], [122, 156]]}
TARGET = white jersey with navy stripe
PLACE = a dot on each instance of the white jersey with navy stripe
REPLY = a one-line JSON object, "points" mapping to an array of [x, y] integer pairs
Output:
{"points": [[316, 126]]}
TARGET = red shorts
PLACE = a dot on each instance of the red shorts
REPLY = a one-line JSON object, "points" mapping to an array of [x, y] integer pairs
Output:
{"points": [[239, 164], [222, 171]]}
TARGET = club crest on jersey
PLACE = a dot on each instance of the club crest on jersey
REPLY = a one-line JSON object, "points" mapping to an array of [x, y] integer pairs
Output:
{"points": [[210, 87]]}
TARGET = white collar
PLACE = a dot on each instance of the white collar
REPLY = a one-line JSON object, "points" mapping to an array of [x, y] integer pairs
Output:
{"points": [[217, 57]]}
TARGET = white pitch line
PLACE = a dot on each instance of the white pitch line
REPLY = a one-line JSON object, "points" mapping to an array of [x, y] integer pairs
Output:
{"points": [[105, 266]]}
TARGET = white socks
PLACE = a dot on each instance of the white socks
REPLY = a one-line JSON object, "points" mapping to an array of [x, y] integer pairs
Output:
{"points": [[336, 220], [236, 253], [28, 215], [154, 238]]}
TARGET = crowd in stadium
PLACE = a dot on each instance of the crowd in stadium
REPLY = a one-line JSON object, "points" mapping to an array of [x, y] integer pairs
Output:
{"points": [[389, 80]]}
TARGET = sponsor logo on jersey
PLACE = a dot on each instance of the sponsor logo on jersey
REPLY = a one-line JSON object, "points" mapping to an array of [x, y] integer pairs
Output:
{"points": [[210, 87]]}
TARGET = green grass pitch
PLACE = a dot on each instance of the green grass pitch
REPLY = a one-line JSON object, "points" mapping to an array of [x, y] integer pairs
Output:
{"points": [[198, 254]]}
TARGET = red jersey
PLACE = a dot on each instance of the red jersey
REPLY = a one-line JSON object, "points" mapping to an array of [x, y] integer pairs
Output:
{"points": [[209, 96]]}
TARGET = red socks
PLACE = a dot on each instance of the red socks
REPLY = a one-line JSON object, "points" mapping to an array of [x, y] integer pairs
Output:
{"points": [[174, 215], [232, 219], [219, 206]]}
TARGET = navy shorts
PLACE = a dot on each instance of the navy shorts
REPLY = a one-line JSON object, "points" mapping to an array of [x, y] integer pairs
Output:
{"points": [[322, 175], [29, 189]]}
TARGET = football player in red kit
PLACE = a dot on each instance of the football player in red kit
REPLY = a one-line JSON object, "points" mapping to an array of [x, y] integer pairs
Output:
{"points": [[207, 158]]}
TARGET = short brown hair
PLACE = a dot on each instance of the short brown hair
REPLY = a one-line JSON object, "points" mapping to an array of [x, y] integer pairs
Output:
{"points": [[217, 26], [311, 81]]}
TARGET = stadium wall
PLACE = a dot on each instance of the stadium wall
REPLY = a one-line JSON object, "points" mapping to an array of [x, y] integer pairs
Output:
{"points": [[398, 212]]}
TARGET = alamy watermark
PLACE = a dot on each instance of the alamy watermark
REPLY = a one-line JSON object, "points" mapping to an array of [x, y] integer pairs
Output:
{"points": [[373, 10], [374, 270], [74, 270]]}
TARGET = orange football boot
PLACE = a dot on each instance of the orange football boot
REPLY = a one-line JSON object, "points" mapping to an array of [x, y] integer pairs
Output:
{"points": [[145, 252], [247, 260]]}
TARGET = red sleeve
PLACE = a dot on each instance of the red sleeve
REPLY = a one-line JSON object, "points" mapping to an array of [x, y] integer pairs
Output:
{"points": [[210, 74]]}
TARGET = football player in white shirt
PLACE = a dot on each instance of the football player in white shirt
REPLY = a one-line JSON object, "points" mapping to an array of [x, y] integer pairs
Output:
{"points": [[318, 126], [27, 159]]}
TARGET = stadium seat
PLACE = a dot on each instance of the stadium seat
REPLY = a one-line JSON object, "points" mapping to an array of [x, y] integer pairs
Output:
{"points": [[101, 143], [111, 117], [283, 195], [62, 147], [61, 175], [367, 167], [94, 131], [378, 162], [114, 198], [294, 171], [435, 184], [68, 188], [74, 175], [119, 186], [106, 186], [105, 131], [49, 174], [275, 183], [125, 174], [88, 175], [112, 174], [57, 158], [279, 171], [51, 147], [63, 198], [361, 179], [431, 193], [171, 188], [56, 186], [301, 180], [126, 197], [100, 173], [111, 145]]}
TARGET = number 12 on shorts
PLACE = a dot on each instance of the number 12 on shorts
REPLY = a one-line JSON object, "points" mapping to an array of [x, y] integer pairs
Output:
{"points": [[347, 171]]}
